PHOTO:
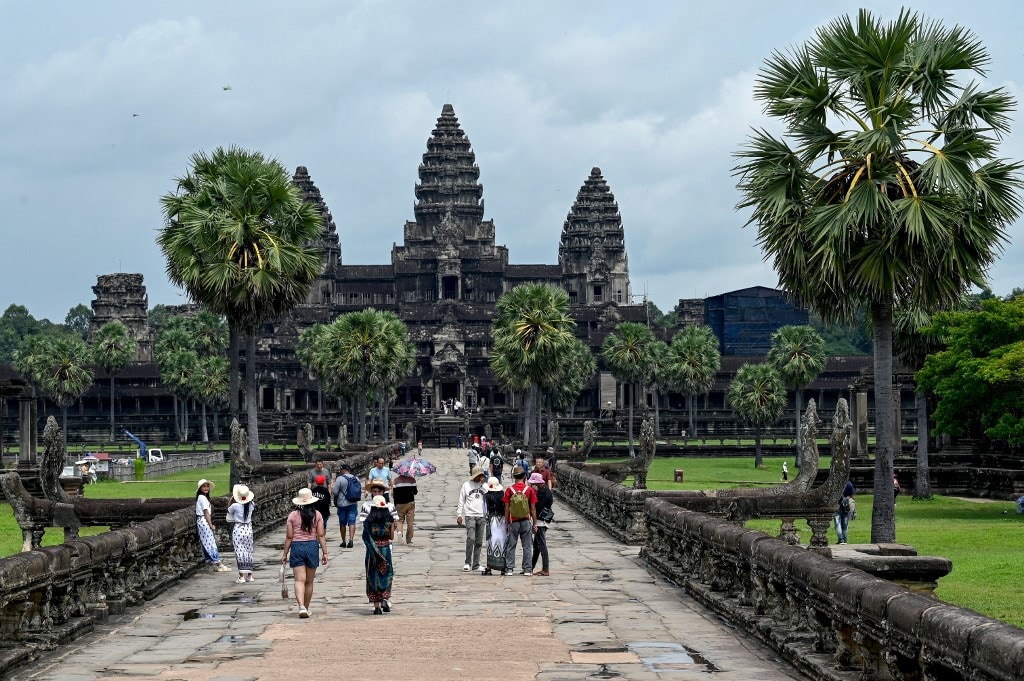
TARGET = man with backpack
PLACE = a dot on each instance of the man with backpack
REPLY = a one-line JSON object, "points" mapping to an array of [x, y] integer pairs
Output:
{"points": [[521, 515], [521, 461], [347, 493], [845, 512], [496, 463]]}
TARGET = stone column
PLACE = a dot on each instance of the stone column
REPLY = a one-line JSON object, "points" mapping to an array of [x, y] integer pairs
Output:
{"points": [[860, 423], [27, 436], [897, 418]]}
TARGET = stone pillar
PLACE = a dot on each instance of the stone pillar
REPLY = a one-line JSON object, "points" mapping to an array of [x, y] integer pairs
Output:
{"points": [[27, 435], [897, 419], [860, 423]]}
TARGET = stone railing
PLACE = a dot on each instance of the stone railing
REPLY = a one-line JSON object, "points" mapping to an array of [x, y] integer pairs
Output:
{"points": [[831, 620], [50, 596], [173, 464]]}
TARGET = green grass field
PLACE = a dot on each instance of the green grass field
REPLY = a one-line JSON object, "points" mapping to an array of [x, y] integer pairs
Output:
{"points": [[984, 539]]}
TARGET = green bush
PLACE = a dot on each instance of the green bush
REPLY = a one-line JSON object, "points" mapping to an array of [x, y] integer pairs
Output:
{"points": [[140, 469]]}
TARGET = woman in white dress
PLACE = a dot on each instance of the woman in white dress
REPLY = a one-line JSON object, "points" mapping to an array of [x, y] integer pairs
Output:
{"points": [[240, 516], [206, 528]]}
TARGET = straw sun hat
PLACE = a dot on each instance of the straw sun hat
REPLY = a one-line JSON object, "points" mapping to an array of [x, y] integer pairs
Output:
{"points": [[305, 497], [204, 481], [242, 494], [378, 502]]}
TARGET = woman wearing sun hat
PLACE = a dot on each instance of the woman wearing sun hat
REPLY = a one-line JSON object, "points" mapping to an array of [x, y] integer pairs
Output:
{"points": [[304, 533], [206, 528], [497, 529], [240, 516], [378, 533]]}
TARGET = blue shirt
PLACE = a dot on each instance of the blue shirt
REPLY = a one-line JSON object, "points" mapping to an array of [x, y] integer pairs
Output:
{"points": [[380, 474]]}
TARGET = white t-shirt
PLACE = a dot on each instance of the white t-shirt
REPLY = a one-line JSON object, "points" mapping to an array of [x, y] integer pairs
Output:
{"points": [[203, 504], [236, 513]]}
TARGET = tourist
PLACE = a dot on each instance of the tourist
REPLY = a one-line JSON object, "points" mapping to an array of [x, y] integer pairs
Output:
{"points": [[419, 448], [540, 467], [378, 533], [405, 491], [521, 461], [318, 469], [204, 525], [240, 516], [545, 499], [521, 514], [896, 489], [375, 488], [322, 494], [473, 456], [304, 533], [348, 491], [470, 512], [495, 462], [844, 513], [382, 473], [785, 471], [497, 527]]}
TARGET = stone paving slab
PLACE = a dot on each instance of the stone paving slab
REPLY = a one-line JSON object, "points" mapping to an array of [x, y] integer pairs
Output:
{"points": [[600, 615]]}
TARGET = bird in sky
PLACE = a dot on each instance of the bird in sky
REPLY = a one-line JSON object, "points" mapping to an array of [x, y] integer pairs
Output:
{"points": [[135, 115], [226, 87]]}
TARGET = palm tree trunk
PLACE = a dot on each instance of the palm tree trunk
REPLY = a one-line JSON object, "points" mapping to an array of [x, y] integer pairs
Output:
{"points": [[690, 403], [177, 419], [216, 426], [252, 398], [529, 404], [112, 408], [799, 406], [235, 343], [632, 399], [922, 483], [883, 516], [758, 459], [64, 427], [206, 434], [184, 417], [657, 414], [320, 401]]}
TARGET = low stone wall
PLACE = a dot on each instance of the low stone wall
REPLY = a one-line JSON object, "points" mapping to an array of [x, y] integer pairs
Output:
{"points": [[173, 464], [830, 620], [50, 596]]}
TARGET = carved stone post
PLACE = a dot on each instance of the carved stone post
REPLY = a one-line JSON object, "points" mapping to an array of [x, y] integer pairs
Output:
{"points": [[27, 428], [860, 424]]}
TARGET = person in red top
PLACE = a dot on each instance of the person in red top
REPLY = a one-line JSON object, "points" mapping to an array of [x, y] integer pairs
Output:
{"points": [[521, 514], [540, 465]]}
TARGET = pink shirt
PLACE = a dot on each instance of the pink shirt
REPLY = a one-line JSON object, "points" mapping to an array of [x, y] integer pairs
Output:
{"points": [[295, 521]]}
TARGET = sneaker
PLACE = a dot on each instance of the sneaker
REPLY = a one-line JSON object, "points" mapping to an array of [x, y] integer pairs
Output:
{"points": [[303, 613], [509, 572], [480, 568], [466, 568], [350, 544], [527, 573], [240, 580], [408, 541], [250, 579], [221, 567], [342, 545], [542, 573]]}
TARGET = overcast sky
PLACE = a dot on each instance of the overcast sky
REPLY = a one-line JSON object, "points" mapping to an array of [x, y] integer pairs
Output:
{"points": [[103, 103]]}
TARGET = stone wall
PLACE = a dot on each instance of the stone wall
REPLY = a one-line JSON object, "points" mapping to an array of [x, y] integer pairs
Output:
{"points": [[173, 464], [52, 595], [830, 620]]}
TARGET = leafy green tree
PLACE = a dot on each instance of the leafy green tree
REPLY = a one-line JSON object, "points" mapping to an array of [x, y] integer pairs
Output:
{"points": [[626, 351], [209, 385], [798, 354], [695, 361], [565, 384], [887, 189], [236, 238], [16, 324], [978, 378], [112, 348], [64, 373], [78, 320], [532, 333], [177, 359], [758, 398]]}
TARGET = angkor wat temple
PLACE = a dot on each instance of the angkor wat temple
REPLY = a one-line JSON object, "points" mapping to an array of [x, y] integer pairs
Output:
{"points": [[442, 281]]}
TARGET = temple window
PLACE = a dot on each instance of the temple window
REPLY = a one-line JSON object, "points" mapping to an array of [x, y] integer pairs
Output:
{"points": [[450, 287], [618, 296], [598, 294], [572, 296]]}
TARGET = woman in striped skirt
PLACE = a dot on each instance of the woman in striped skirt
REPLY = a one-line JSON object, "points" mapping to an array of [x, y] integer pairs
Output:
{"points": [[240, 516]]}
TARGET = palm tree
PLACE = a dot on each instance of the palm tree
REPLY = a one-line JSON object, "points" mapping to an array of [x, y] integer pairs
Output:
{"points": [[209, 384], [627, 353], [235, 237], [695, 360], [532, 333], [660, 378], [888, 190], [112, 348], [798, 354], [564, 385], [758, 398], [64, 375], [305, 351]]}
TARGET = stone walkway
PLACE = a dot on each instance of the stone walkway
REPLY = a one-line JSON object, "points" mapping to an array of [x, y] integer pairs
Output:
{"points": [[600, 615]]}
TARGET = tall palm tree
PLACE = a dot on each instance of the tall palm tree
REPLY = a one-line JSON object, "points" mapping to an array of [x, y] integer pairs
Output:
{"points": [[798, 354], [235, 237], [887, 189], [209, 385], [64, 374], [758, 398], [627, 353], [112, 348], [305, 351], [660, 378], [532, 333], [695, 360]]}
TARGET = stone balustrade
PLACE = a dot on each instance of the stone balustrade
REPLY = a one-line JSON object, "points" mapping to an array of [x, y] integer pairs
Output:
{"points": [[828, 618], [51, 595], [172, 464]]}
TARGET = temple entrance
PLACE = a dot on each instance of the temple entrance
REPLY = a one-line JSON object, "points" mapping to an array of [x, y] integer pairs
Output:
{"points": [[450, 390], [449, 288]]}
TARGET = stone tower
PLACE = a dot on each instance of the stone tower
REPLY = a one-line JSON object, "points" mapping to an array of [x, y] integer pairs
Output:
{"points": [[592, 252], [323, 290], [122, 298]]}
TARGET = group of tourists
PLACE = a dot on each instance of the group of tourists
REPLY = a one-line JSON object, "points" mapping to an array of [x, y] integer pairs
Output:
{"points": [[505, 518]]}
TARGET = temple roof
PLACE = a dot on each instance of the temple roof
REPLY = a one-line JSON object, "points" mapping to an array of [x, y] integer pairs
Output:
{"points": [[449, 176], [328, 240], [533, 272]]}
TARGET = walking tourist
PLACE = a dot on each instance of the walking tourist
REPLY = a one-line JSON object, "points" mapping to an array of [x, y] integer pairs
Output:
{"points": [[375, 488], [240, 516], [545, 514], [470, 513], [382, 473], [521, 461], [497, 527], [348, 491], [496, 462], [553, 467], [206, 528], [378, 533], [319, 468], [521, 514], [304, 533], [540, 467], [322, 494], [785, 471], [405, 491], [844, 513], [473, 456]]}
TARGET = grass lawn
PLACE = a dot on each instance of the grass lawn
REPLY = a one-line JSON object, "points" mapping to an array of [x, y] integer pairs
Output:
{"points": [[984, 539]]}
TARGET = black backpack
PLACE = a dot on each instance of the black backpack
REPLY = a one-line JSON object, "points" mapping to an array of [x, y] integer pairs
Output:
{"points": [[844, 506]]}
